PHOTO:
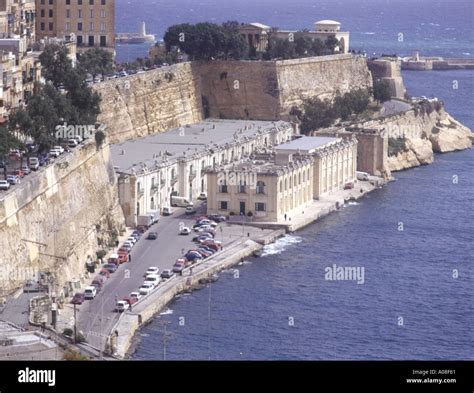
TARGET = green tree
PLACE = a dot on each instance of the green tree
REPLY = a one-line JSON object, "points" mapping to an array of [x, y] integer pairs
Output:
{"points": [[96, 61], [56, 64], [331, 43], [235, 46], [302, 45], [317, 47], [382, 91]]}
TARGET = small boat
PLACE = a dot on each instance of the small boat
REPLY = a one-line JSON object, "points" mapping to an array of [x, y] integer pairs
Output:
{"points": [[257, 253]]}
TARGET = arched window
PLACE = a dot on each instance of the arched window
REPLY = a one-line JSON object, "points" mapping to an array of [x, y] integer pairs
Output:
{"points": [[294, 181], [172, 173], [139, 186], [299, 178], [243, 150], [260, 187], [286, 184], [152, 203]]}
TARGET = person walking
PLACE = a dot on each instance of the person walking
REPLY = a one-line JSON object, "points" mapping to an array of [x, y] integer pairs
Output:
{"points": [[285, 216]]}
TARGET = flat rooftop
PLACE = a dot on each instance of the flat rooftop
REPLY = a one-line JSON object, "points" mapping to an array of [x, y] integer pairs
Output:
{"points": [[307, 144], [185, 141]]}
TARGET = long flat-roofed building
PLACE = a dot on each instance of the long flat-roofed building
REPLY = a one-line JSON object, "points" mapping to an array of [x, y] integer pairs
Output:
{"points": [[153, 168]]}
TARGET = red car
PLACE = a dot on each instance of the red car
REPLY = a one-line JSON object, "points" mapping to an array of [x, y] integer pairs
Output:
{"points": [[130, 300], [105, 273], [78, 298], [18, 172], [348, 186], [123, 250], [122, 257]]}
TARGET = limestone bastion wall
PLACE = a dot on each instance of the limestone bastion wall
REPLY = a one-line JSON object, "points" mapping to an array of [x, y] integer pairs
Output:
{"points": [[51, 221]]}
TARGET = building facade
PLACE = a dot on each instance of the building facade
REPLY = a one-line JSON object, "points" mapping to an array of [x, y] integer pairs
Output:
{"points": [[90, 22], [257, 34], [152, 169], [261, 188]]}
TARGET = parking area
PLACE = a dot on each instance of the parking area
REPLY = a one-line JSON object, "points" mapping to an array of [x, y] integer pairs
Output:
{"points": [[96, 317]]}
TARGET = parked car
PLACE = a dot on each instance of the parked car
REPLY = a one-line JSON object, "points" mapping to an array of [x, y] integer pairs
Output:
{"points": [[43, 159], [4, 185], [78, 298], [348, 186], [167, 211], [98, 283], [207, 248], [123, 250], [202, 237], [127, 247], [130, 300], [167, 273], [152, 270], [128, 243], [131, 239], [110, 267], [152, 279], [121, 306], [202, 228], [59, 148], [13, 179], [145, 289], [135, 295], [185, 231], [90, 292], [217, 218], [54, 153], [26, 169], [152, 236], [105, 273], [204, 253], [34, 163], [136, 234], [71, 143], [123, 257], [202, 196], [212, 244], [178, 267], [190, 210], [114, 258], [18, 172]]}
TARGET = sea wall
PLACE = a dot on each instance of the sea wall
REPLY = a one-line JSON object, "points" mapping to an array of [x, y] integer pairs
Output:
{"points": [[150, 102], [51, 221]]}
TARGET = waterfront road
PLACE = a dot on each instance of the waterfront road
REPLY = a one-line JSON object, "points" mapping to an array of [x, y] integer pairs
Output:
{"points": [[96, 317]]}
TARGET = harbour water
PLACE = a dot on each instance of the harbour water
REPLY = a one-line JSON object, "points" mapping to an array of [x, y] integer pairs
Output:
{"points": [[416, 299]]}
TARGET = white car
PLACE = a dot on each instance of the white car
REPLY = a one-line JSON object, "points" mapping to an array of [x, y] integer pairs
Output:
{"points": [[145, 289], [202, 196], [190, 210], [131, 239], [4, 185], [60, 148], [203, 228], [152, 279], [122, 306], [185, 231], [55, 153], [128, 243], [136, 295], [152, 270]]}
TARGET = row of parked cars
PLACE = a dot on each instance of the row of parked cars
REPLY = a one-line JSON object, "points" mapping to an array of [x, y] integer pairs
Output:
{"points": [[20, 166], [110, 267]]}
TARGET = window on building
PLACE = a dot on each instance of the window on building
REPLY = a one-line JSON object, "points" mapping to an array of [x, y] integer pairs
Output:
{"points": [[51, 27], [50, 13], [102, 13], [91, 13], [42, 26], [91, 2], [68, 2], [68, 26], [91, 26], [223, 187], [80, 40], [281, 186], [103, 40], [91, 40], [138, 208], [260, 187], [68, 13], [79, 26], [42, 13], [152, 203], [102, 26], [42, 2], [139, 187], [102, 2], [79, 13], [222, 205], [222, 158], [241, 188], [51, 2], [260, 207], [79, 2]]}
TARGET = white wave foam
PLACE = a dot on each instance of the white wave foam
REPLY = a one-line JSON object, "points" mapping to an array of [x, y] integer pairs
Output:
{"points": [[168, 311], [352, 203], [369, 33], [281, 245]]}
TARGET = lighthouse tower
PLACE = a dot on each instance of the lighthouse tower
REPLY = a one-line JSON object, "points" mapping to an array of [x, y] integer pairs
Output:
{"points": [[142, 29]]}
